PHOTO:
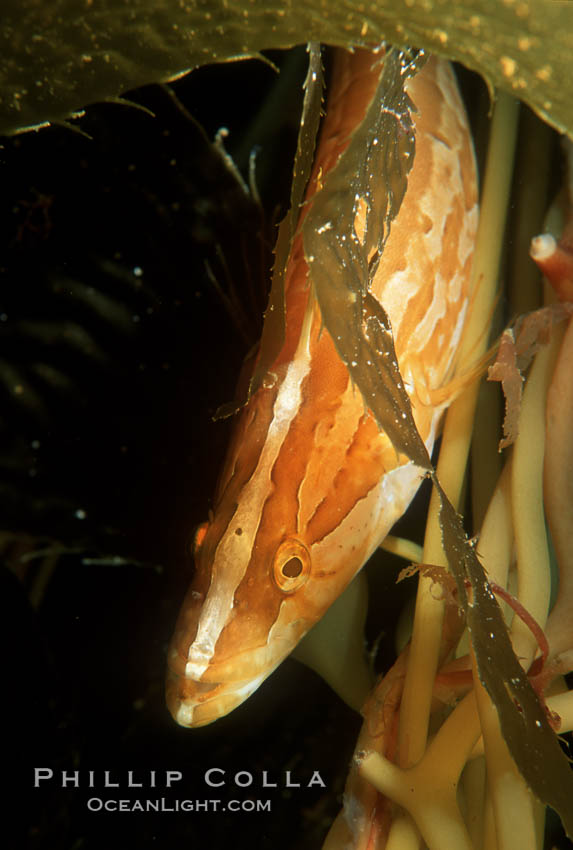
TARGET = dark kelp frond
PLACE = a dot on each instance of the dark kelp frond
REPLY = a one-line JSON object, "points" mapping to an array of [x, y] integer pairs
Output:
{"points": [[524, 724], [373, 170], [274, 325]]}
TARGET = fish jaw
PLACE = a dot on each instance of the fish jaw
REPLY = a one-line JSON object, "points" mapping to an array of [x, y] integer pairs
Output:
{"points": [[193, 704]]}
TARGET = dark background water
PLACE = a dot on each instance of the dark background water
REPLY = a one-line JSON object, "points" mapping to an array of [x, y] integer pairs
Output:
{"points": [[115, 352]]}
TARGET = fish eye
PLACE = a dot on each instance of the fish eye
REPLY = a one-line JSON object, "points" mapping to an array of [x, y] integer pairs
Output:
{"points": [[291, 565]]}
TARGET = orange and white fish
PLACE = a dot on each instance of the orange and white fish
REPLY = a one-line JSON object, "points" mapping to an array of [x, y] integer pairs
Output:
{"points": [[311, 485]]}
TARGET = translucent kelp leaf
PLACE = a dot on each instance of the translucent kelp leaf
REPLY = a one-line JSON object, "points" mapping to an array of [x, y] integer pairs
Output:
{"points": [[274, 325], [58, 56], [373, 170], [524, 724]]}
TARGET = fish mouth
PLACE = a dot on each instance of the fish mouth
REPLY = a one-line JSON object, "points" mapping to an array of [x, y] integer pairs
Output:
{"points": [[200, 690], [193, 704]]}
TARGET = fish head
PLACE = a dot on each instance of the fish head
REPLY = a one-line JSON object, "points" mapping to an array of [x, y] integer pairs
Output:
{"points": [[310, 488]]}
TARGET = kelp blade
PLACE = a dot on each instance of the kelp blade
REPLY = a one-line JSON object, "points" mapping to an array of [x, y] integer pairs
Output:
{"points": [[58, 56]]}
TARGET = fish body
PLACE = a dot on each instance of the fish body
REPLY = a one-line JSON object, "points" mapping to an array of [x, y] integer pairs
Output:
{"points": [[311, 485]]}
